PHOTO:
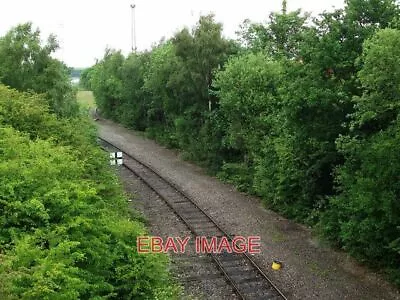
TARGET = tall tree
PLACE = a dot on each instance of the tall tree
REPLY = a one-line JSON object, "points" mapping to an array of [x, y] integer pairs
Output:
{"points": [[365, 217], [106, 81], [281, 36], [26, 64]]}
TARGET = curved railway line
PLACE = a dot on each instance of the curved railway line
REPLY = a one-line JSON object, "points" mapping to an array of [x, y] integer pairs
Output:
{"points": [[239, 270]]}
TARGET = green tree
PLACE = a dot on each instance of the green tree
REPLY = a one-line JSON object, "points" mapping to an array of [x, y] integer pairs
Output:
{"points": [[364, 217], [316, 95], [85, 79], [27, 65], [247, 90], [282, 36], [164, 83], [106, 82], [379, 105], [201, 52]]}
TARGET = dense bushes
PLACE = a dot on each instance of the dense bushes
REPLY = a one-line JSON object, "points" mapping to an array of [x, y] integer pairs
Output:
{"points": [[65, 230], [247, 90], [303, 112], [364, 217]]}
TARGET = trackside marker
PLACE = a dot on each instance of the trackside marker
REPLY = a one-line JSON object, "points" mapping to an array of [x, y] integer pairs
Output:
{"points": [[116, 158]]}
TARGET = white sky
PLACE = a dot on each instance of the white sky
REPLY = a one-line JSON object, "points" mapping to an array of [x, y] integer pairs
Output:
{"points": [[86, 27]]}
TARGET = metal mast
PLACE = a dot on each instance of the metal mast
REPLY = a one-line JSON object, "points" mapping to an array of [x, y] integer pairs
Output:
{"points": [[133, 31]]}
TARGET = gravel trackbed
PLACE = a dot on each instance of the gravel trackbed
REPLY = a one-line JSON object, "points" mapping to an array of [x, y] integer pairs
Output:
{"points": [[310, 270]]}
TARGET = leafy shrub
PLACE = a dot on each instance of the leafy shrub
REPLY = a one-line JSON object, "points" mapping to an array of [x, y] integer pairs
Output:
{"points": [[65, 230], [364, 218], [301, 114]]}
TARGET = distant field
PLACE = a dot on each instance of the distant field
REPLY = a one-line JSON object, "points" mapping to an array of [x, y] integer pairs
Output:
{"points": [[86, 99]]}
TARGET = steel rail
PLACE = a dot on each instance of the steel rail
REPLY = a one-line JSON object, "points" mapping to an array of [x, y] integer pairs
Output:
{"points": [[187, 222]]}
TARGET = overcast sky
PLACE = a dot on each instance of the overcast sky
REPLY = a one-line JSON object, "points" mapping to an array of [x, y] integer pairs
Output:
{"points": [[86, 27]]}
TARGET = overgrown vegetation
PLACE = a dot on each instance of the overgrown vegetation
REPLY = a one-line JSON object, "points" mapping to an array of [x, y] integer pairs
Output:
{"points": [[65, 228], [27, 65], [301, 111], [85, 99]]}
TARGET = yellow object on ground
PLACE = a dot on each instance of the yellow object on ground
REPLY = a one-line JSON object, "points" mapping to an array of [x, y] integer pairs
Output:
{"points": [[276, 265]]}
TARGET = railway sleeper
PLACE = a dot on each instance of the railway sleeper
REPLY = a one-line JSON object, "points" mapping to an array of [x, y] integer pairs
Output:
{"points": [[241, 278], [234, 269], [237, 262], [263, 294], [202, 277], [186, 210], [208, 225], [182, 202], [225, 256], [197, 219], [256, 288]]}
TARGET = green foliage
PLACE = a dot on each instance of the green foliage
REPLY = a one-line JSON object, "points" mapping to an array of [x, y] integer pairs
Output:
{"points": [[162, 80], [65, 228], [301, 113], [106, 83], [295, 171], [165, 92], [27, 65], [132, 110], [281, 37], [247, 89], [307, 125], [379, 105], [364, 218], [85, 79]]}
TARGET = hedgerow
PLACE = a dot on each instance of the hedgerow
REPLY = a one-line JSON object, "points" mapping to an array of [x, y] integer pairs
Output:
{"points": [[301, 111], [65, 228]]}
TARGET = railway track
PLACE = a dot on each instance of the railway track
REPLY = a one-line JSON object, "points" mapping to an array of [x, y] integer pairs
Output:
{"points": [[247, 279]]}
